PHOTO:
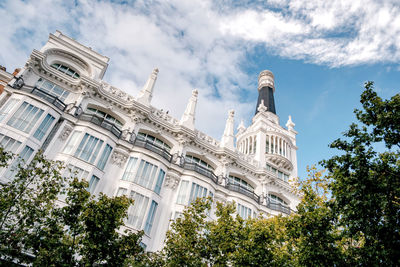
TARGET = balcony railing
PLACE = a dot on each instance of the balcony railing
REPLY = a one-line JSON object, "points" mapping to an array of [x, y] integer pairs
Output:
{"points": [[278, 207], [154, 148], [242, 190], [102, 123], [55, 101], [201, 170]]}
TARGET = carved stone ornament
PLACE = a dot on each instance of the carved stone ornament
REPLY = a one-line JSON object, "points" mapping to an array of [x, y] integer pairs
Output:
{"points": [[172, 180], [135, 116], [66, 131], [119, 158]]}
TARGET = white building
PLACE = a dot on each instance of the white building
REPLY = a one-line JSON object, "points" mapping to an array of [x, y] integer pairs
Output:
{"points": [[121, 144]]}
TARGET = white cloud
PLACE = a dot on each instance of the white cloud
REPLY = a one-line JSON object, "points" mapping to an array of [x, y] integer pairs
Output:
{"points": [[202, 44], [333, 33]]}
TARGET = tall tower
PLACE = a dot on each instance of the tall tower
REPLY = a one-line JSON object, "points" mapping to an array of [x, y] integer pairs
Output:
{"points": [[265, 139]]}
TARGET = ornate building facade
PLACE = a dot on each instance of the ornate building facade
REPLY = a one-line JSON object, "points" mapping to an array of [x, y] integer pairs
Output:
{"points": [[121, 144]]}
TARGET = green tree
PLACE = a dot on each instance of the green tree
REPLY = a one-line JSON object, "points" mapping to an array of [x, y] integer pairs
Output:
{"points": [[195, 240], [51, 220], [366, 183], [312, 231]]}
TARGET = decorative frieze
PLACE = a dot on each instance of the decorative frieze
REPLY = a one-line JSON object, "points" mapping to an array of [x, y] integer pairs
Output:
{"points": [[65, 132], [119, 158], [172, 180]]}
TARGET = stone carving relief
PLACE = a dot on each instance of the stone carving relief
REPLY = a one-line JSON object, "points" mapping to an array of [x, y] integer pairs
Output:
{"points": [[119, 158], [66, 131], [105, 87], [135, 116], [172, 180]]}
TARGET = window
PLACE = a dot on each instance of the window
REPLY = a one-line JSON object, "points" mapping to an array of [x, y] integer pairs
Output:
{"points": [[52, 89], [7, 107], [150, 217], [146, 174], [193, 159], [104, 116], [23, 158], [93, 183], [137, 211], [153, 140], [238, 181], [8, 143], [197, 191], [160, 180], [67, 70], [25, 117], [104, 157], [122, 191], [43, 127], [276, 200], [89, 148], [243, 211], [182, 192], [73, 140], [130, 170], [73, 171]]}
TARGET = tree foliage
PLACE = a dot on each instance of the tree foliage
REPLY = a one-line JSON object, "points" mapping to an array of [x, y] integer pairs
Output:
{"points": [[50, 220], [366, 183], [348, 216]]}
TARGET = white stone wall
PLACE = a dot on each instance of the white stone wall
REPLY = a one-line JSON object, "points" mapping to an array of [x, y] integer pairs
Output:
{"points": [[90, 91]]}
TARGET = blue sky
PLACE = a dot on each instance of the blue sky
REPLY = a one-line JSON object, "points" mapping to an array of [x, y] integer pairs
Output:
{"points": [[321, 53]]}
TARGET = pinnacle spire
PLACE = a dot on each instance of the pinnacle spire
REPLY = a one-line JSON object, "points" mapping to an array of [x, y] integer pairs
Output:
{"points": [[290, 124], [146, 93], [188, 117], [228, 138]]}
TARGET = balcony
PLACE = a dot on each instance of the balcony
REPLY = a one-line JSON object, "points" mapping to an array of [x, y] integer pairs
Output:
{"points": [[278, 207], [243, 190], [154, 148], [201, 170], [102, 123], [55, 101]]}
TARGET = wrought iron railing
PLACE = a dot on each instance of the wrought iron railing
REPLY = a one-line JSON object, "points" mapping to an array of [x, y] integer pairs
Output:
{"points": [[242, 190], [103, 123], [154, 148], [55, 101], [201, 170], [278, 207]]}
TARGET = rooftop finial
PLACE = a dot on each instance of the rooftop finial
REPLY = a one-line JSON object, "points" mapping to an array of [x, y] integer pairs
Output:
{"points": [[188, 117], [290, 124], [262, 107], [241, 126], [146, 93], [266, 78], [228, 138], [266, 89]]}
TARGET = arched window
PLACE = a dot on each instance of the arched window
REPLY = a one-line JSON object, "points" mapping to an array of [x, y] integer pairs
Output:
{"points": [[66, 70], [277, 200], [238, 181], [153, 140], [52, 89], [104, 116], [193, 159]]}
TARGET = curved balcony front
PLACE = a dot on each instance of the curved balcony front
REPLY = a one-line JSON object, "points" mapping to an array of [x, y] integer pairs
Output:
{"points": [[280, 161]]}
